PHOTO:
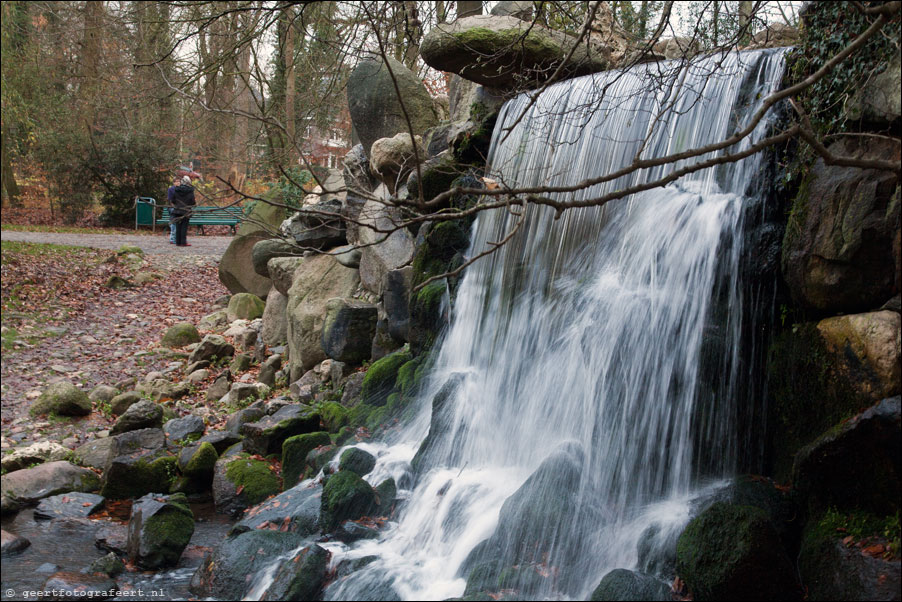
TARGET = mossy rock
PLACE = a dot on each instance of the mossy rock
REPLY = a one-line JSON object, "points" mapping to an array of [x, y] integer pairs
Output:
{"points": [[443, 242], [318, 457], [809, 396], [254, 477], [357, 461], [240, 363], [129, 250], [180, 335], [345, 497], [623, 584], [159, 530], [143, 476], [294, 455], [62, 398], [733, 552], [117, 282], [245, 306], [426, 321], [334, 415], [201, 461], [381, 377], [386, 491]]}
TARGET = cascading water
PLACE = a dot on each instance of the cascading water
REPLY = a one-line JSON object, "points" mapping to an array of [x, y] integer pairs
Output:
{"points": [[595, 372]]}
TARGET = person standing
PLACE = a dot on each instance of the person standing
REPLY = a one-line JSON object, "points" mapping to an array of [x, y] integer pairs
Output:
{"points": [[182, 202], [169, 194]]}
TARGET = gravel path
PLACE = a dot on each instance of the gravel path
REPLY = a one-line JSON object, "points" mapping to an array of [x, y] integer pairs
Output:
{"points": [[151, 245]]}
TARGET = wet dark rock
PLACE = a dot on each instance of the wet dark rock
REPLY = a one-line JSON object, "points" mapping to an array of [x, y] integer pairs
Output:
{"points": [[224, 571], [240, 482], [139, 464], [30, 485], [267, 435], [196, 464], [440, 418], [220, 440], [319, 457], [345, 497], [396, 299], [295, 510], [622, 584], [357, 461], [142, 415], [72, 586], [294, 455], [109, 565], [386, 491], [69, 505], [348, 328], [159, 529], [732, 552], [350, 531], [301, 576], [181, 429], [112, 537], [11, 544]]}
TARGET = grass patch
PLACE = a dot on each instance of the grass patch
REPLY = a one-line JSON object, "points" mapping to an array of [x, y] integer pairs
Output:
{"points": [[76, 230]]}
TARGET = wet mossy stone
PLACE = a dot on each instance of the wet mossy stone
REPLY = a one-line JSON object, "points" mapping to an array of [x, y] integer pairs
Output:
{"points": [[301, 576], [69, 505], [29, 485], [348, 330], [139, 464], [732, 552], [180, 335], [159, 529], [357, 461], [223, 574], [294, 455], [197, 461], [220, 440], [380, 378], [345, 497], [240, 481], [426, 315], [386, 491], [62, 398], [108, 565], [623, 584], [245, 306], [334, 415], [319, 457], [442, 243], [295, 510]]}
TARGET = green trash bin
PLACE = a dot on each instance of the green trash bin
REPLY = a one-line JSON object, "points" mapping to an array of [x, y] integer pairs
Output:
{"points": [[145, 212]]}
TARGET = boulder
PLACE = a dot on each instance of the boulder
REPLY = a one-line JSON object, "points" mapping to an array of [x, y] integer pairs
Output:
{"points": [[380, 379], [348, 330], [142, 415], [854, 465], [36, 453], [159, 529], [281, 270], [63, 399], [139, 464], [391, 159], [223, 574], [623, 584], [95, 453], [196, 464], [182, 429], [220, 440], [507, 52], [11, 544], [345, 497], [66, 585], [161, 389], [109, 565], [841, 249], [267, 435], [240, 363], [389, 246], [245, 306], [300, 576], [353, 386], [375, 103], [30, 485], [295, 510], [213, 347], [220, 387], [241, 481], [317, 280], [879, 100], [350, 212], [275, 321], [215, 322], [180, 335], [236, 268], [294, 455], [69, 505], [265, 250], [867, 351], [357, 461], [121, 403], [437, 175], [251, 414], [347, 255], [356, 171], [317, 226], [103, 393], [243, 393], [732, 552]]}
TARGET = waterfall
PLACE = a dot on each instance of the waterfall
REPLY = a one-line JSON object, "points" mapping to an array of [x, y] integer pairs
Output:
{"points": [[597, 367]]}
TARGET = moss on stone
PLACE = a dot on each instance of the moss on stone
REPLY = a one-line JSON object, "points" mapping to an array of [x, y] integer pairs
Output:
{"points": [[63, 399], [380, 378], [357, 461], [180, 334], [202, 462], [345, 496], [376, 418], [255, 478], [334, 415], [143, 476], [406, 383], [345, 433], [294, 455]]}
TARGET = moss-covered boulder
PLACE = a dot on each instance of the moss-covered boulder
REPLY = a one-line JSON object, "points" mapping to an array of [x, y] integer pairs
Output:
{"points": [[386, 491], [196, 464], [319, 457], [357, 461], [159, 529], [180, 335], [294, 455], [267, 435], [334, 415], [345, 497], [223, 574], [245, 306], [62, 398], [300, 576], [854, 465], [241, 481], [139, 464], [380, 379], [733, 552], [623, 584]]}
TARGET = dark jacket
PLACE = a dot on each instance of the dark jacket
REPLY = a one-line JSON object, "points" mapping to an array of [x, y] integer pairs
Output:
{"points": [[182, 201]]}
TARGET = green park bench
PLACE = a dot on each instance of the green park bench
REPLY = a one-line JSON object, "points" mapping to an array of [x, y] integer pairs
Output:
{"points": [[202, 215]]}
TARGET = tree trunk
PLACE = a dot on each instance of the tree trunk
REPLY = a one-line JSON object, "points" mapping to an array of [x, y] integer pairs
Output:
{"points": [[10, 189]]}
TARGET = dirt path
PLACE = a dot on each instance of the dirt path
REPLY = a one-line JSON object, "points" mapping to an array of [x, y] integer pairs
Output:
{"points": [[115, 336], [152, 245]]}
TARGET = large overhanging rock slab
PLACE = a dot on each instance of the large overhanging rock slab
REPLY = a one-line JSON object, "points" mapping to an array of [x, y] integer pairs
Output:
{"points": [[506, 52]]}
